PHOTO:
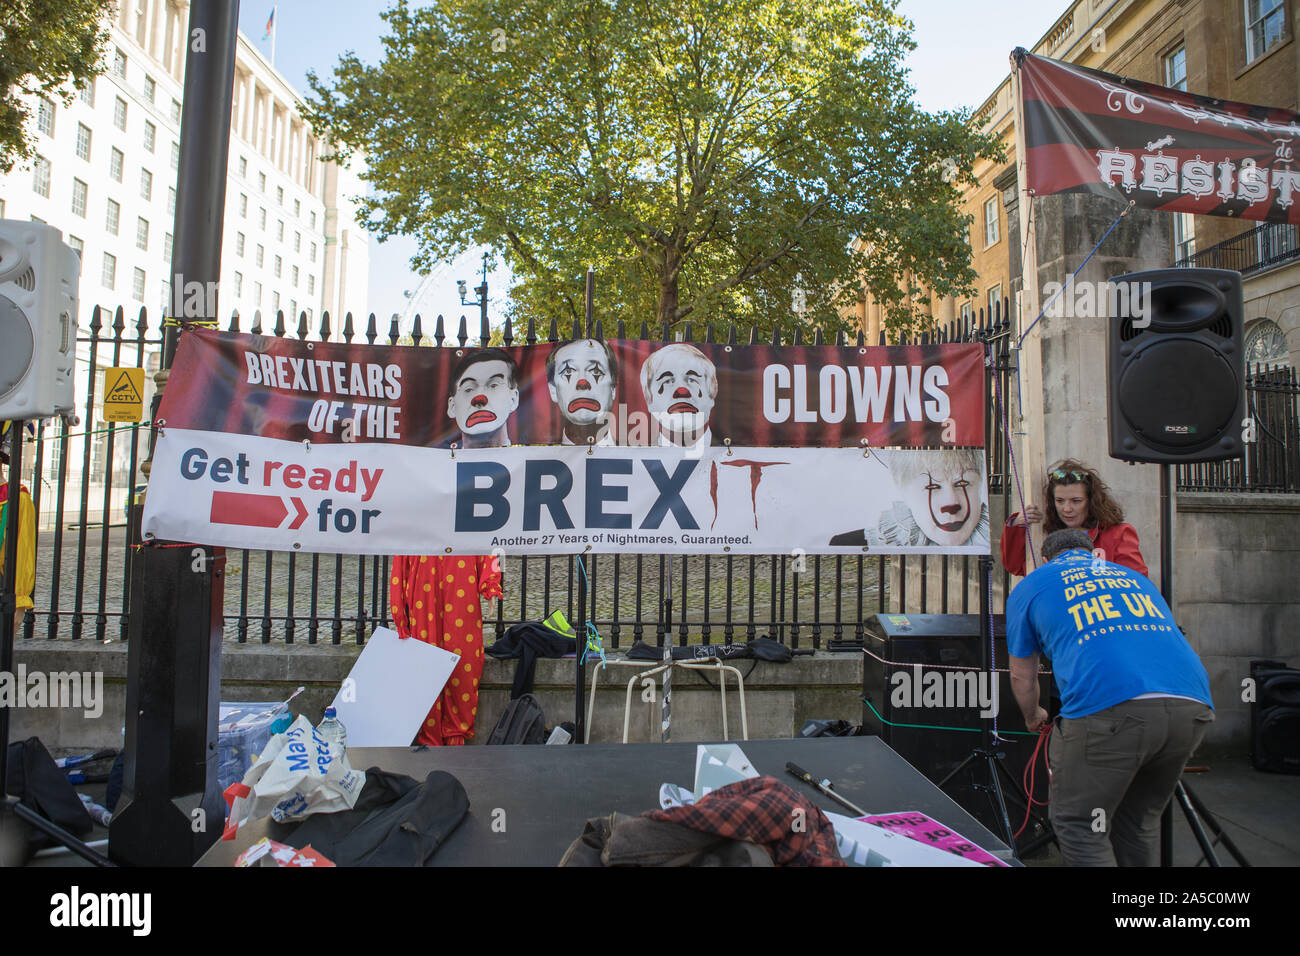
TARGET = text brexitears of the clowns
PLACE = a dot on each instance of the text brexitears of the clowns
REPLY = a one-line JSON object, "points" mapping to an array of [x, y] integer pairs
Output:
{"points": [[485, 392]]}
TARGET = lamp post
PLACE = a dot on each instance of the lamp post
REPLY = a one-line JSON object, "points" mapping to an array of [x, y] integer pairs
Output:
{"points": [[481, 291]]}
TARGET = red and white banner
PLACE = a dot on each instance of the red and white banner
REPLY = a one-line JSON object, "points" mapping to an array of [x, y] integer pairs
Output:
{"points": [[1162, 148], [578, 446]]}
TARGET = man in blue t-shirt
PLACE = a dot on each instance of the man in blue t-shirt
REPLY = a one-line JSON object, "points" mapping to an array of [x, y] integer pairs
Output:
{"points": [[1135, 698]]}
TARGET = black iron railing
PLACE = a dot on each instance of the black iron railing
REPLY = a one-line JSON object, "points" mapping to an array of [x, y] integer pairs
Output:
{"points": [[1268, 244]]}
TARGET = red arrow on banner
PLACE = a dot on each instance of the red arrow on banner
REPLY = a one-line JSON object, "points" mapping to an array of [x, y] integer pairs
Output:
{"points": [[256, 511]]}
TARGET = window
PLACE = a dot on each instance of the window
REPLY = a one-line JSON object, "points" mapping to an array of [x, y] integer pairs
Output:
{"points": [[297, 242], [119, 69], [259, 255], [167, 248], [311, 285], [261, 218], [275, 302], [176, 111], [995, 301], [243, 206], [142, 233], [239, 243], [279, 263], [108, 276], [1176, 69], [313, 220], [293, 307], [1184, 237], [261, 181], [1265, 22], [115, 165], [239, 285], [176, 155], [293, 277], [83, 141], [119, 114], [41, 177], [146, 184], [87, 93], [297, 207], [966, 311], [150, 134], [279, 231], [257, 295], [45, 116], [243, 165], [137, 285], [112, 218], [279, 195], [171, 201], [150, 88], [312, 255], [991, 221], [79, 190]]}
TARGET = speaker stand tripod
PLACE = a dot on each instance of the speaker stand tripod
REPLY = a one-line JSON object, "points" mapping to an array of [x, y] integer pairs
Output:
{"points": [[13, 813]]}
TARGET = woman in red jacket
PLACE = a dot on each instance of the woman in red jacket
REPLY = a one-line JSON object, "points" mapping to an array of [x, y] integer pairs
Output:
{"points": [[1076, 498]]}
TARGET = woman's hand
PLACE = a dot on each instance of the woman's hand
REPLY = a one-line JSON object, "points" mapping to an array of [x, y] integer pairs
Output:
{"points": [[1033, 515]]}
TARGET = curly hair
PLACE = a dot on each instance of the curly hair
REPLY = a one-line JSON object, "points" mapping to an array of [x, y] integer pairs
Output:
{"points": [[1102, 508]]}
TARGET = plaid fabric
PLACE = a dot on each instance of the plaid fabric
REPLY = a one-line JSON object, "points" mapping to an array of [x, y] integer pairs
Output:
{"points": [[765, 811]]}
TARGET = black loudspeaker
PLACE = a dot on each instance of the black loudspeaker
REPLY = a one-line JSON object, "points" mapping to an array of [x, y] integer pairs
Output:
{"points": [[935, 737], [1275, 717], [1175, 376]]}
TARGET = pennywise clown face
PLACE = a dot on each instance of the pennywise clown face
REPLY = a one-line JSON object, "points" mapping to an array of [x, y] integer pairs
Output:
{"points": [[680, 386], [946, 504], [483, 400], [582, 384]]}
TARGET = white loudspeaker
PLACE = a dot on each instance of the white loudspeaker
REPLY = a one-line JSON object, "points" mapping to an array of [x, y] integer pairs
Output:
{"points": [[39, 278]]}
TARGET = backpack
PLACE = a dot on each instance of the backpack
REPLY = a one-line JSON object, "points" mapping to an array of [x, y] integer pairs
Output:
{"points": [[522, 723]]}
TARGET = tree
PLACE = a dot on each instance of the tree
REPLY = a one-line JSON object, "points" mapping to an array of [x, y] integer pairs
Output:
{"points": [[714, 160], [47, 47]]}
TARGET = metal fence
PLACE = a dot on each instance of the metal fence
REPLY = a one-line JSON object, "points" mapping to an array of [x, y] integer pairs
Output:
{"points": [[1268, 244], [1272, 459], [82, 477]]}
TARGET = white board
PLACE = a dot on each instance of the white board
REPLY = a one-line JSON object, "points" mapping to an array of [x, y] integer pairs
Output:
{"points": [[390, 689]]}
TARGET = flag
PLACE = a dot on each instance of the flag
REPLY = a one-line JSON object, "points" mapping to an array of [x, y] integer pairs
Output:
{"points": [[1085, 130], [270, 25]]}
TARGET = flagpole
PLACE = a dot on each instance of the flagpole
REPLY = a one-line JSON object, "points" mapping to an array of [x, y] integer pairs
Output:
{"points": [[1029, 416], [275, 26]]}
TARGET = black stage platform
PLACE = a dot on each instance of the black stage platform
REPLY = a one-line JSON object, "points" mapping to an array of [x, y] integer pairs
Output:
{"points": [[548, 793]]}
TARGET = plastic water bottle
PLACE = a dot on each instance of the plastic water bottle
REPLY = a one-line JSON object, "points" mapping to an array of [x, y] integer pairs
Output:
{"points": [[332, 729]]}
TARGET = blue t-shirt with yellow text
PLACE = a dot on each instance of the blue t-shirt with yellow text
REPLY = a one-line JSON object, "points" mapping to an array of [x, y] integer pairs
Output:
{"points": [[1107, 631]]}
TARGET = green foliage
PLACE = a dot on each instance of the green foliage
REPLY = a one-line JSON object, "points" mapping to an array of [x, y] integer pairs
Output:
{"points": [[707, 157], [48, 47]]}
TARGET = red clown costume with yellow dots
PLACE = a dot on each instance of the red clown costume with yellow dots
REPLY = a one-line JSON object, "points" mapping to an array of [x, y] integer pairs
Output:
{"points": [[436, 599]]}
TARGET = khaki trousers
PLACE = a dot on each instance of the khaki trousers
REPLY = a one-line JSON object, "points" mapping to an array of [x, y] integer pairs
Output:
{"points": [[1113, 772]]}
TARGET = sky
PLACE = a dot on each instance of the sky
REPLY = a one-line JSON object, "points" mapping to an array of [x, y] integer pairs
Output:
{"points": [[961, 57]]}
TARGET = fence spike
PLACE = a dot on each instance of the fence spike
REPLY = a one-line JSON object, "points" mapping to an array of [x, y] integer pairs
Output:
{"points": [[708, 334], [462, 334], [119, 321], [818, 337], [234, 321], [598, 331], [372, 329], [302, 325], [394, 330], [257, 322], [95, 323], [325, 330], [862, 338], [665, 333], [530, 334], [731, 333], [417, 332], [688, 332], [142, 324], [883, 340], [348, 329], [439, 331], [576, 332], [553, 330], [645, 331], [508, 333], [621, 329], [484, 332], [279, 323], [776, 335], [839, 338], [797, 338]]}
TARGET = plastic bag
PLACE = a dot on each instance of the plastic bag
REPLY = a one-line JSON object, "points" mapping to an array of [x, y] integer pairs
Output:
{"points": [[298, 774]]}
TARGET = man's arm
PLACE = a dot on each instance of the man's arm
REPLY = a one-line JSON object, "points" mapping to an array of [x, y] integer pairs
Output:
{"points": [[1024, 684]]}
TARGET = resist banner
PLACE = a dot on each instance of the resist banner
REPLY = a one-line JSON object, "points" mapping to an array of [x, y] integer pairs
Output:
{"points": [[247, 491], [1161, 148], [606, 393]]}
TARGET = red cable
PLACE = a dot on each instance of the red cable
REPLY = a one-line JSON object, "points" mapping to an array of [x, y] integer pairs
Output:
{"points": [[1027, 777]]}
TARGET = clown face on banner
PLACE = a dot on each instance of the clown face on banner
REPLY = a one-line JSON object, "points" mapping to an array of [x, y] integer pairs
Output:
{"points": [[680, 387], [944, 493], [485, 391], [582, 377]]}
